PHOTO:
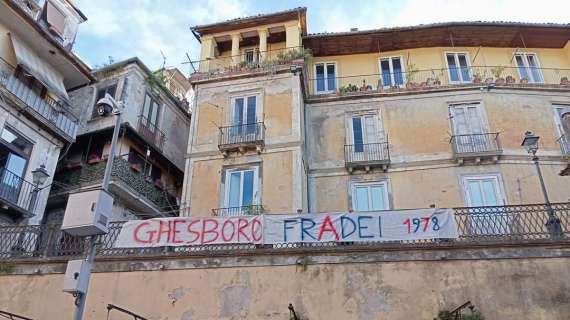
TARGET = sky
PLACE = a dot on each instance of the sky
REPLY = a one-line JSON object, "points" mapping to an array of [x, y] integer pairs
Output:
{"points": [[149, 29]]}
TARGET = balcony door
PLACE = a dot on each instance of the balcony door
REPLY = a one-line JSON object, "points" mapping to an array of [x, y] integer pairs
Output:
{"points": [[244, 118], [14, 154], [241, 188], [392, 71], [364, 136], [150, 112], [458, 67], [528, 67], [563, 134], [469, 127], [485, 191]]}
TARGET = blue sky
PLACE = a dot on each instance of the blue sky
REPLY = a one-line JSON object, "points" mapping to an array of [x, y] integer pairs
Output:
{"points": [[143, 28]]}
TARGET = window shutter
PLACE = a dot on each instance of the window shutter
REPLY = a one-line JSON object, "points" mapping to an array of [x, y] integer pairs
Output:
{"points": [[55, 18]]}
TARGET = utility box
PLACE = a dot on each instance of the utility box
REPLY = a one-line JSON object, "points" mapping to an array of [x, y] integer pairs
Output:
{"points": [[76, 278], [87, 213]]}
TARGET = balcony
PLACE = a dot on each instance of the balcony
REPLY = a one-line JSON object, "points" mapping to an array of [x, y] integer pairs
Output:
{"points": [[129, 181], [254, 209], [242, 137], [150, 132], [479, 227], [415, 80], [367, 156], [477, 147], [56, 116], [17, 194]]}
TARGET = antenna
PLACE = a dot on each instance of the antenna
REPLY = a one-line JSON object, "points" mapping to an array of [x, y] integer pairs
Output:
{"points": [[163, 60], [190, 63]]}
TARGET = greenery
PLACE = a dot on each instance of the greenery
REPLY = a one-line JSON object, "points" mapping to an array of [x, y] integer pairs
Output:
{"points": [[293, 54], [411, 72], [6, 269], [472, 315], [498, 71], [348, 88]]}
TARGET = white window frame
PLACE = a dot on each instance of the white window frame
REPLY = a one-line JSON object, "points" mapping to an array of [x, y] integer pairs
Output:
{"points": [[256, 183], [325, 64], [380, 137], [389, 58], [455, 55], [563, 141], [480, 110], [495, 176], [258, 106], [386, 197], [527, 67]]}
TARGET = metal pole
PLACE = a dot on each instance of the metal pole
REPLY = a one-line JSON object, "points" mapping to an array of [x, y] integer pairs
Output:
{"points": [[553, 223], [82, 297]]}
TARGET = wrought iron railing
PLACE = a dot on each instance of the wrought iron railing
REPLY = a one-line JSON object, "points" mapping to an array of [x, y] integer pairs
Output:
{"points": [[564, 145], [151, 132], [253, 209], [482, 143], [413, 79], [17, 191], [55, 114], [243, 134], [479, 226], [12, 316], [367, 153]]}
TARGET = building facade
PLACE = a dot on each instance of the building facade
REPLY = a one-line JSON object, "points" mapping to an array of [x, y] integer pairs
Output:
{"points": [[149, 160], [37, 69]]}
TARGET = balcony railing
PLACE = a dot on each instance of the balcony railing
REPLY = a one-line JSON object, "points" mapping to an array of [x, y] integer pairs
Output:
{"points": [[254, 209], [479, 226], [564, 145], [151, 132], [476, 145], [131, 175], [429, 79], [55, 114], [368, 154], [18, 192], [242, 136]]}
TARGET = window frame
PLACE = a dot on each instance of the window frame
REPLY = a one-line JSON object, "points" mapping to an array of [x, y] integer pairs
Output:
{"points": [[153, 101], [258, 106], [380, 136], [386, 195], [256, 199], [527, 67], [404, 75], [500, 191], [326, 78], [456, 58], [96, 94], [480, 110]]}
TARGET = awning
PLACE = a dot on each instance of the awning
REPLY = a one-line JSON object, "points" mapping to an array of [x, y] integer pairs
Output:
{"points": [[41, 70]]}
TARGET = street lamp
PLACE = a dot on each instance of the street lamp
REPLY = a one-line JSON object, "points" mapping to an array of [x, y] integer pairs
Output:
{"points": [[530, 143], [40, 175]]}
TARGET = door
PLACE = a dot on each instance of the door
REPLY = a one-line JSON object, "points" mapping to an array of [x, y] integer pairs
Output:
{"points": [[485, 191], [458, 67], [370, 196], [244, 119], [528, 67], [468, 129], [365, 138], [392, 72]]}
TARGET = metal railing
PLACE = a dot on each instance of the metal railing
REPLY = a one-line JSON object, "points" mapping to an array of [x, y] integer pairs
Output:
{"points": [[478, 226], [475, 144], [12, 316], [424, 79], [564, 145], [151, 132], [254, 209], [243, 134], [17, 191], [367, 153], [55, 114]]}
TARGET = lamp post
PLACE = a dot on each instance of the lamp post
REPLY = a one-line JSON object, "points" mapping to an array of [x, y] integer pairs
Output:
{"points": [[39, 177], [530, 143]]}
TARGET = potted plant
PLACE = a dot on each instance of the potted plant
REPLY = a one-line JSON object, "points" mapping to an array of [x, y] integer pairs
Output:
{"points": [[158, 184], [564, 81], [93, 159], [510, 79], [524, 80], [498, 72], [136, 167], [477, 78], [411, 72]]}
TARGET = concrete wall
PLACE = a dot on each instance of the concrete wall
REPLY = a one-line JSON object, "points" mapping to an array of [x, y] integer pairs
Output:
{"points": [[346, 286], [419, 129]]}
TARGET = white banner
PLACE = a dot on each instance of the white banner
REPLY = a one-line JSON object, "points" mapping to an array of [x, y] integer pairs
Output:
{"points": [[272, 229]]}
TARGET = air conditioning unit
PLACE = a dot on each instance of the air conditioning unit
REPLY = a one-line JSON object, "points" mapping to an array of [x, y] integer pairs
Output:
{"points": [[76, 279], [87, 213]]}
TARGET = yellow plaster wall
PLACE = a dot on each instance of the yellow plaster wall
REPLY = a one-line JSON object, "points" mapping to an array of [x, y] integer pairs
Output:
{"points": [[278, 114], [6, 50], [277, 182], [206, 182]]}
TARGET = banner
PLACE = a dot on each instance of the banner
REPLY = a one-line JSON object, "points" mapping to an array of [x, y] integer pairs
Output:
{"points": [[273, 229]]}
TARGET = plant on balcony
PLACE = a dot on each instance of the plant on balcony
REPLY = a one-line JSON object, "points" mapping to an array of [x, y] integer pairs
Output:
{"points": [[158, 184], [510, 79], [477, 78], [136, 167], [564, 81], [93, 159], [411, 72], [365, 87], [348, 88], [253, 209], [498, 73], [524, 80], [293, 54], [472, 315]]}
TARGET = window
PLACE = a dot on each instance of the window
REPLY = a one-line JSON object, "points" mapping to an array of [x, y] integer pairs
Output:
{"points": [[54, 18], [458, 67], [364, 131], [372, 196], [563, 134], [484, 191], [528, 67], [250, 56], [241, 187], [392, 72], [30, 81], [325, 77], [149, 116], [15, 151], [101, 92], [469, 129]]}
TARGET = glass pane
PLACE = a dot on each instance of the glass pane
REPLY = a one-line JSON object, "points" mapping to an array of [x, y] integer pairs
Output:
{"points": [[146, 109], [371, 131], [154, 116], [320, 70], [465, 76], [247, 197], [453, 72], [235, 185], [8, 135], [16, 165], [361, 198], [535, 71], [331, 77], [459, 121], [250, 117], [238, 112], [386, 75], [490, 192], [523, 72], [397, 70], [377, 197], [475, 194], [474, 120], [357, 134]]}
